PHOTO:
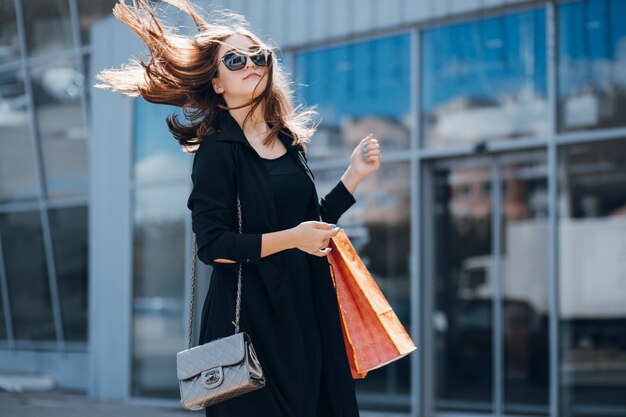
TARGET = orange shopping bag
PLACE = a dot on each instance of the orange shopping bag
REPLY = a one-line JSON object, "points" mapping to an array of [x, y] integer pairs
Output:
{"points": [[372, 333]]}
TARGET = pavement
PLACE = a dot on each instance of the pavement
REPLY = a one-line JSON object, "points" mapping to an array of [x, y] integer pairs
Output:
{"points": [[24, 395], [58, 403]]}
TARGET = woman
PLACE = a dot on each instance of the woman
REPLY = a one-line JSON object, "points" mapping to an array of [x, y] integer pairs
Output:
{"points": [[249, 140]]}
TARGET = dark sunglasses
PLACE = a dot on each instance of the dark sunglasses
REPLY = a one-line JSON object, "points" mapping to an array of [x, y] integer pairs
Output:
{"points": [[235, 61]]}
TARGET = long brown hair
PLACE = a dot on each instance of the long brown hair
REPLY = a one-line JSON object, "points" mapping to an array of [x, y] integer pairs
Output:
{"points": [[181, 68]]}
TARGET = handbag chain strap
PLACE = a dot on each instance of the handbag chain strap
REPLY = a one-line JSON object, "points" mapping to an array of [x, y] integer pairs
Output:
{"points": [[193, 284]]}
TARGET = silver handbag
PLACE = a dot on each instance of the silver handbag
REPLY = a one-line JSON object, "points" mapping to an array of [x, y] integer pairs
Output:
{"points": [[221, 369]]}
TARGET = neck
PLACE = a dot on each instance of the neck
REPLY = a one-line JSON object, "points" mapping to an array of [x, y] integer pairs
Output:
{"points": [[255, 127]]}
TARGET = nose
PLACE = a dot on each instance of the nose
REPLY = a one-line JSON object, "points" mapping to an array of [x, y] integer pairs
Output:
{"points": [[249, 62]]}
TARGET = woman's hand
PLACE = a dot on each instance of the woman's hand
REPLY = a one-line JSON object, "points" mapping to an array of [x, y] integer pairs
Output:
{"points": [[313, 237], [365, 158]]}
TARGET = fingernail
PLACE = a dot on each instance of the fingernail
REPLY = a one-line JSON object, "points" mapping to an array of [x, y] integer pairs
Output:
{"points": [[333, 226]]}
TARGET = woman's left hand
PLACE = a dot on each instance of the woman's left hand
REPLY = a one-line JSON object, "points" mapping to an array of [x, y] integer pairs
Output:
{"points": [[366, 157]]}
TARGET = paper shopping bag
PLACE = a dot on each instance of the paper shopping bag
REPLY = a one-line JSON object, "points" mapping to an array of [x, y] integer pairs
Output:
{"points": [[372, 333]]}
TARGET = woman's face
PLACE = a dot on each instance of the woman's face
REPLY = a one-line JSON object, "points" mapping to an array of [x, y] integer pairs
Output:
{"points": [[239, 85]]}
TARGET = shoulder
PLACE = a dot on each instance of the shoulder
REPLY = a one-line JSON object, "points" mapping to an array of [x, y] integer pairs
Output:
{"points": [[213, 157]]}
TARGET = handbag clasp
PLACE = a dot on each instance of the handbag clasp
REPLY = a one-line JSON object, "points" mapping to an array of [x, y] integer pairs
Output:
{"points": [[213, 377]]}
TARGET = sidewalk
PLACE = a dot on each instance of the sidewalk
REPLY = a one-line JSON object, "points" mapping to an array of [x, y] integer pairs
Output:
{"points": [[66, 404], [31, 396]]}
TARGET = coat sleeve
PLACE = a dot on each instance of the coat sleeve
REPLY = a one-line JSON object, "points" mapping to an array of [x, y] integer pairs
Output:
{"points": [[213, 205], [336, 202]]}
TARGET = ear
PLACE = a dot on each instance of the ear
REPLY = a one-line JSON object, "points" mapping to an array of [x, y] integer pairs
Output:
{"points": [[217, 87]]}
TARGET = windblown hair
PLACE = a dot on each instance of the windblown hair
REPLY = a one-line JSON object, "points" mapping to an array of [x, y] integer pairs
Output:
{"points": [[181, 68]]}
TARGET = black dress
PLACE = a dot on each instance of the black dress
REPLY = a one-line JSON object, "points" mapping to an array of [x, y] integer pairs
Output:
{"points": [[293, 192]]}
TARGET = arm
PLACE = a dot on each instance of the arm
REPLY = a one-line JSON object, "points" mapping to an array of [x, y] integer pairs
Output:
{"points": [[213, 205], [340, 198]]}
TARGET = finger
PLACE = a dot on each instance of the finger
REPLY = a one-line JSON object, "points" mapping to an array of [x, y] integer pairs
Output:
{"points": [[324, 225], [323, 252]]}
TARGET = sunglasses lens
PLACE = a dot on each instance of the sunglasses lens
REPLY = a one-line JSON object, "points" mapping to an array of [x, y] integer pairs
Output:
{"points": [[234, 62], [261, 59]]}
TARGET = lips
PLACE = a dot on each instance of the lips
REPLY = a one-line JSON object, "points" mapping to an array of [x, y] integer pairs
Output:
{"points": [[251, 75]]}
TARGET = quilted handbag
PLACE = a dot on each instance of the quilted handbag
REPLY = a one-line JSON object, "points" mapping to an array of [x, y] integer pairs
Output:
{"points": [[221, 369]]}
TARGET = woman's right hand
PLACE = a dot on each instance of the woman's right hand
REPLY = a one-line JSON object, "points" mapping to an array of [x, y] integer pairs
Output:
{"points": [[311, 236]]}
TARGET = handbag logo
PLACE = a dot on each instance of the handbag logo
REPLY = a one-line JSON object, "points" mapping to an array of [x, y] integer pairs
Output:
{"points": [[212, 377]]}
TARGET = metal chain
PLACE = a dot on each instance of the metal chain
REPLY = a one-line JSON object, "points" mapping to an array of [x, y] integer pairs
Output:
{"points": [[193, 288], [193, 283], [238, 304]]}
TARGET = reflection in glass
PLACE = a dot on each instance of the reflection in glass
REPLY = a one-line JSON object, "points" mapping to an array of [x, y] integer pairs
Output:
{"points": [[378, 226], [89, 11], [524, 261], [158, 288], [157, 155], [358, 88], [47, 25], [3, 327], [463, 273], [592, 265], [9, 42], [18, 180], [484, 80], [27, 278], [68, 227], [57, 98], [592, 64]]}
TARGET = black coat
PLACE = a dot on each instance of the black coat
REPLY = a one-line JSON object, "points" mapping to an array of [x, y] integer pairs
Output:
{"points": [[224, 164]]}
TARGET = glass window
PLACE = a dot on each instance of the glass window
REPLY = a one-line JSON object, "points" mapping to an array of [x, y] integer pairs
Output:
{"points": [[378, 226], [592, 244], [27, 277], [358, 88], [47, 25], [57, 89], [462, 323], [158, 289], [68, 227], [3, 326], [592, 64], [157, 155], [484, 80], [524, 266], [18, 179], [90, 11], [9, 41]]}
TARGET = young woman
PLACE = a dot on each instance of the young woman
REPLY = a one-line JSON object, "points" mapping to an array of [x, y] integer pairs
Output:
{"points": [[249, 141]]}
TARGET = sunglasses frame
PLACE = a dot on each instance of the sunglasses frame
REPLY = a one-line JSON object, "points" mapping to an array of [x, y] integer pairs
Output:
{"points": [[261, 52]]}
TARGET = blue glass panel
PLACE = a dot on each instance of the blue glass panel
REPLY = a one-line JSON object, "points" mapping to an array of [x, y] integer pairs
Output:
{"points": [[157, 155], [592, 284], [158, 288], [68, 227], [358, 88], [27, 276], [17, 164], [592, 64], [9, 42], [484, 80], [57, 88]]}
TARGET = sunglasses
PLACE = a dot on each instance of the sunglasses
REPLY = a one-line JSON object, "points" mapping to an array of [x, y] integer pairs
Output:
{"points": [[235, 61]]}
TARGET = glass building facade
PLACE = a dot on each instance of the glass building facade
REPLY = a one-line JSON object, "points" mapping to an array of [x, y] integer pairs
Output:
{"points": [[44, 101], [495, 226]]}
